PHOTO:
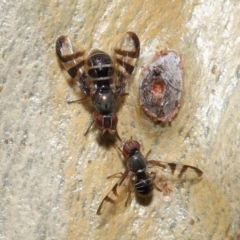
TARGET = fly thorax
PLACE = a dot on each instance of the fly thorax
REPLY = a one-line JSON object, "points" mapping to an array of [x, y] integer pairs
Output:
{"points": [[104, 101], [136, 162]]}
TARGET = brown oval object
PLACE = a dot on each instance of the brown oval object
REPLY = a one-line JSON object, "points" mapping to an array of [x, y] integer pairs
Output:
{"points": [[161, 86]]}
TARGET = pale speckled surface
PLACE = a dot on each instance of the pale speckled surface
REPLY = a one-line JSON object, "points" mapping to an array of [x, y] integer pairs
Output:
{"points": [[53, 178]]}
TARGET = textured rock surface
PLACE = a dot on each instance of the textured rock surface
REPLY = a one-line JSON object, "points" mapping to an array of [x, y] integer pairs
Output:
{"points": [[53, 178]]}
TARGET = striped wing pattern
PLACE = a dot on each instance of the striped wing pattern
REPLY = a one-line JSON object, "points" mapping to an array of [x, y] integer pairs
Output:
{"points": [[126, 55], [117, 194], [72, 62], [158, 172], [173, 171]]}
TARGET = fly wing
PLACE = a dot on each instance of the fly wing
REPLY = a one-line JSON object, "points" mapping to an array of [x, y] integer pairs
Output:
{"points": [[72, 62], [126, 55], [162, 172], [173, 171], [117, 194]]}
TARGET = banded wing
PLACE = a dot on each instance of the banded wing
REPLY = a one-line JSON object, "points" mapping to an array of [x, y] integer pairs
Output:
{"points": [[126, 55], [173, 171], [117, 194], [72, 62], [162, 172]]}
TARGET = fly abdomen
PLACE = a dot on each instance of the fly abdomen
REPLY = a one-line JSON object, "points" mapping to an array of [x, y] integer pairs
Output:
{"points": [[100, 66], [143, 184]]}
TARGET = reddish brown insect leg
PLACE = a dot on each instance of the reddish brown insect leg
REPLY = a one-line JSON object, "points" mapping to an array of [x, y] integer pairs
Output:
{"points": [[130, 187], [89, 127], [163, 187], [77, 101], [115, 175], [117, 134]]}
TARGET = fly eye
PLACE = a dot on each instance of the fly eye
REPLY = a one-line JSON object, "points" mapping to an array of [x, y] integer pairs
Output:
{"points": [[137, 145], [130, 147], [98, 119], [114, 119], [106, 121]]}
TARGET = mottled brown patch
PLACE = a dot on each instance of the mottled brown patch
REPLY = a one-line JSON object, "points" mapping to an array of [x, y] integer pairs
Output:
{"points": [[198, 171], [108, 199], [238, 236], [114, 190], [172, 167], [214, 69], [192, 222], [183, 170], [161, 86]]}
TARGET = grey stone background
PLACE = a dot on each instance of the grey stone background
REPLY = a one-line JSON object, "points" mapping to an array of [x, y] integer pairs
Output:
{"points": [[53, 178]]}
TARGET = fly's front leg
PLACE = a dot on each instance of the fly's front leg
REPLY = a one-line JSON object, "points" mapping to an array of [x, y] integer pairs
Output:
{"points": [[78, 100], [116, 175]]}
